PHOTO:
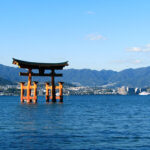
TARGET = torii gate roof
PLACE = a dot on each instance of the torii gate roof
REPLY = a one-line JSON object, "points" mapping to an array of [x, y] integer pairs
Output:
{"points": [[37, 65]]}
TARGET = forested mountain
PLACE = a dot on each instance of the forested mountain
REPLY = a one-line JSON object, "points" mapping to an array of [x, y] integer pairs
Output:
{"points": [[5, 82], [107, 78]]}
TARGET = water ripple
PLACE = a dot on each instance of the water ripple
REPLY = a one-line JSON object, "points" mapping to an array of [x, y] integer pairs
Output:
{"points": [[82, 122]]}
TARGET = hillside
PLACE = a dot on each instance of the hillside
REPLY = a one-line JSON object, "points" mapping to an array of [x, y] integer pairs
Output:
{"points": [[130, 77], [5, 82]]}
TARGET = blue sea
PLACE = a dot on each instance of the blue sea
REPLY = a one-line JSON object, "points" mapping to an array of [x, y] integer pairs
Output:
{"points": [[81, 122]]}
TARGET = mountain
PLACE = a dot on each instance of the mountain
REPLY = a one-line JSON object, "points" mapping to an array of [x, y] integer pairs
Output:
{"points": [[5, 82], [107, 78], [87, 77]]}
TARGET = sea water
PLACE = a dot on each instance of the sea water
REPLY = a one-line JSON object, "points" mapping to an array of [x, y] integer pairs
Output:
{"points": [[81, 122]]}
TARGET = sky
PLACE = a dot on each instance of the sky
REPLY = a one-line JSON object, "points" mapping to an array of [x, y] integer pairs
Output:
{"points": [[90, 34]]}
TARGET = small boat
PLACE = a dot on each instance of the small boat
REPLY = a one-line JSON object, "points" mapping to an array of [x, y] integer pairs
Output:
{"points": [[144, 93], [57, 94]]}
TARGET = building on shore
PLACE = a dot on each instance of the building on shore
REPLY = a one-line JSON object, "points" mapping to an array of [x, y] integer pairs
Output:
{"points": [[122, 90]]}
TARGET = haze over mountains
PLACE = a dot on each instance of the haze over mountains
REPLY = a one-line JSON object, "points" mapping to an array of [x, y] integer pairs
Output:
{"points": [[106, 78]]}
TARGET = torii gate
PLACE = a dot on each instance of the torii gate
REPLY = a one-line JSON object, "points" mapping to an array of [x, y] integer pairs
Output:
{"points": [[41, 67]]}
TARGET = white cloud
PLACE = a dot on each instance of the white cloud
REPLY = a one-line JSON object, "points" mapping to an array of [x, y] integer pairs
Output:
{"points": [[134, 49], [94, 37], [90, 12], [145, 48], [148, 45]]}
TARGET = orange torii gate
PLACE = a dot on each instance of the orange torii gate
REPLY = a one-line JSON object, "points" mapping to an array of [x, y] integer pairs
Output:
{"points": [[41, 67]]}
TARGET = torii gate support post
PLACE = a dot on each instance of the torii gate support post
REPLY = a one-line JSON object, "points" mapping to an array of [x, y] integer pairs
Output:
{"points": [[61, 92], [28, 97], [53, 87], [47, 92], [28, 87], [22, 91], [35, 91]]}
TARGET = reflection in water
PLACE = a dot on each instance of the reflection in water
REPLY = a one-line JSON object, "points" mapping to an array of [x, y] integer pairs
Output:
{"points": [[82, 122]]}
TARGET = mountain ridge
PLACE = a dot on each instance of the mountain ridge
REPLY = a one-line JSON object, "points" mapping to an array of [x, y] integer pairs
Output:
{"points": [[138, 77]]}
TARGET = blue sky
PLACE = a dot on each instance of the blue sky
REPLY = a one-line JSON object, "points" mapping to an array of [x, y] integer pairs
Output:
{"points": [[94, 34]]}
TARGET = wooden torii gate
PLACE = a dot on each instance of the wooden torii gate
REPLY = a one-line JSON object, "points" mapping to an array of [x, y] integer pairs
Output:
{"points": [[41, 67]]}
